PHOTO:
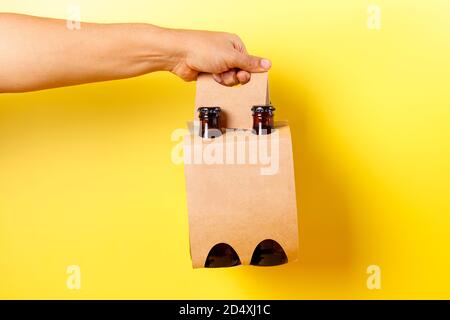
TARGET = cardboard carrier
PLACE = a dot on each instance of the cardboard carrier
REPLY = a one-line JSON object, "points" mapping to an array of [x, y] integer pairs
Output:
{"points": [[240, 186]]}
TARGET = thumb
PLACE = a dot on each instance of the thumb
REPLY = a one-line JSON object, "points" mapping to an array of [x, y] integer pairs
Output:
{"points": [[250, 63]]}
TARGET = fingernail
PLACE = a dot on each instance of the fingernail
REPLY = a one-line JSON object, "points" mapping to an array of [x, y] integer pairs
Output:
{"points": [[265, 64]]}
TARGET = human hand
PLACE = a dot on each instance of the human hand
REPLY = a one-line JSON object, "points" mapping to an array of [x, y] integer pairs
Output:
{"points": [[222, 54], [39, 53]]}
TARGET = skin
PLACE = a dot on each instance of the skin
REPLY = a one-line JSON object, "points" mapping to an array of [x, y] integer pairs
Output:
{"points": [[40, 53]]}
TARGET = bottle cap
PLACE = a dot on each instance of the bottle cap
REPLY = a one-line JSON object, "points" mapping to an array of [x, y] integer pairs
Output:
{"points": [[268, 109], [209, 111]]}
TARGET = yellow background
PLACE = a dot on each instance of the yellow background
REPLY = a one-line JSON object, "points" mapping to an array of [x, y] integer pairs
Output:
{"points": [[86, 176]]}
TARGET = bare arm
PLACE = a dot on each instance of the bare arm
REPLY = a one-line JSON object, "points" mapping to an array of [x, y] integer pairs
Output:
{"points": [[38, 53]]}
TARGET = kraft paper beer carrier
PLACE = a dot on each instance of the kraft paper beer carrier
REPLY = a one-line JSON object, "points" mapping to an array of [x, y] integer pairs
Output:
{"points": [[237, 203]]}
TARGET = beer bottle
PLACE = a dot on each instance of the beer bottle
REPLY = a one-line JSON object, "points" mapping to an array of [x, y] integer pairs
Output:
{"points": [[262, 119], [209, 122]]}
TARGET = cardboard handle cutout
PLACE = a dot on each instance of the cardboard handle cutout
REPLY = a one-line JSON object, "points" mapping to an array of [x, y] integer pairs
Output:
{"points": [[235, 102]]}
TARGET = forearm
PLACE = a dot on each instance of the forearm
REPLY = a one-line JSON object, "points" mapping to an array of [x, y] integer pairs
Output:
{"points": [[39, 53]]}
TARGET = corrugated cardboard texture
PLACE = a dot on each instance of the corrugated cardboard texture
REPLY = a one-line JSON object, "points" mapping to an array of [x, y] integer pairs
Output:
{"points": [[235, 203], [235, 102]]}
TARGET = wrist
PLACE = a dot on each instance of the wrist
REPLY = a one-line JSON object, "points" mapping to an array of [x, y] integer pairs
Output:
{"points": [[172, 44], [158, 47]]}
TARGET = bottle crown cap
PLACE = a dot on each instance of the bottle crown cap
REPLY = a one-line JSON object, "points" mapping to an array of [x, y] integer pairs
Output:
{"points": [[209, 111], [263, 109]]}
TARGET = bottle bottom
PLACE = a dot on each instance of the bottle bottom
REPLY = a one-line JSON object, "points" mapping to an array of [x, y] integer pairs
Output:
{"points": [[268, 253], [222, 255]]}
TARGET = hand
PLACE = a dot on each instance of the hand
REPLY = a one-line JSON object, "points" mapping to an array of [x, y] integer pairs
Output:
{"points": [[222, 54], [38, 53]]}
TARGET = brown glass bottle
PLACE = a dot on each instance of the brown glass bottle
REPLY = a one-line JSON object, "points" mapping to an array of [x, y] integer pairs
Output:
{"points": [[209, 122], [263, 119]]}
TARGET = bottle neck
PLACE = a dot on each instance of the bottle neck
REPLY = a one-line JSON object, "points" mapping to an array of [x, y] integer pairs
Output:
{"points": [[212, 122], [262, 123]]}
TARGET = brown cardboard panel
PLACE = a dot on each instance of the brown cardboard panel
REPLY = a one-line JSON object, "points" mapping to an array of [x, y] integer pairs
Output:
{"points": [[237, 205], [235, 102], [240, 187]]}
